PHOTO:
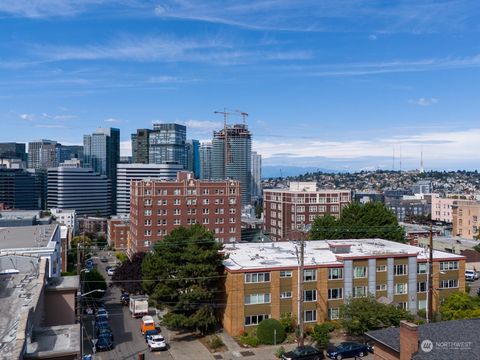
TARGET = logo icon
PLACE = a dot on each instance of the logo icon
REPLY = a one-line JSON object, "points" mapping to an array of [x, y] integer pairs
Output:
{"points": [[426, 346]]}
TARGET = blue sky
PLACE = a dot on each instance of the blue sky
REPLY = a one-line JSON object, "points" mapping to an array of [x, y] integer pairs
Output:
{"points": [[336, 84]]}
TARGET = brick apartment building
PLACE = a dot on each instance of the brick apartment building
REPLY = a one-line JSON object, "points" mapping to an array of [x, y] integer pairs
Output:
{"points": [[117, 232], [262, 279], [289, 209], [466, 219], [157, 207]]}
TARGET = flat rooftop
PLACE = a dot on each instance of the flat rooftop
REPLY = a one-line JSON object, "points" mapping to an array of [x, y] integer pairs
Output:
{"points": [[18, 292], [54, 341], [26, 236], [282, 254], [19, 214]]}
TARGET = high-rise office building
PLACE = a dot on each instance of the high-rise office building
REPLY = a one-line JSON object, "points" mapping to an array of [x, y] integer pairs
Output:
{"points": [[101, 152], [84, 190], [140, 146], [256, 175], [192, 148], [11, 150], [18, 189], [233, 160], [206, 160], [126, 173], [167, 144], [41, 154]]}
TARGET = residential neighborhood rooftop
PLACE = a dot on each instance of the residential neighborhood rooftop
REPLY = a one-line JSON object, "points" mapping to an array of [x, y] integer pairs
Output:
{"points": [[26, 236], [245, 256]]}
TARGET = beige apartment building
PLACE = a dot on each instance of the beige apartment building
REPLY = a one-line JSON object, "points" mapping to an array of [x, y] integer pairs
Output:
{"points": [[465, 219], [287, 210], [262, 279]]}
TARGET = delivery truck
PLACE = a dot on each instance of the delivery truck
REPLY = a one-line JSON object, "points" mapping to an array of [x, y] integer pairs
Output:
{"points": [[138, 305]]}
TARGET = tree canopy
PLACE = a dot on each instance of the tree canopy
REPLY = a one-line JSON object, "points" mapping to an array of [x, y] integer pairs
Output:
{"points": [[182, 274], [460, 305], [359, 315], [359, 221], [94, 280], [128, 275]]}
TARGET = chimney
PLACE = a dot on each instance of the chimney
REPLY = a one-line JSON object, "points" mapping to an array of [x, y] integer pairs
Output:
{"points": [[408, 340]]}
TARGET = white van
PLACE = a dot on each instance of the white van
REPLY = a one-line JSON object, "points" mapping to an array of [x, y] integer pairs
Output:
{"points": [[471, 275]]}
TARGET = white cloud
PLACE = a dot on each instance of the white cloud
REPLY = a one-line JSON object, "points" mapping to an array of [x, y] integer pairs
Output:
{"points": [[28, 117], [58, 117], [202, 125], [50, 126], [45, 8], [372, 37], [113, 120], [423, 101]]}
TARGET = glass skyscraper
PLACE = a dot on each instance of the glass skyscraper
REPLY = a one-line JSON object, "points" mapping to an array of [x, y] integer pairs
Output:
{"points": [[167, 144]]}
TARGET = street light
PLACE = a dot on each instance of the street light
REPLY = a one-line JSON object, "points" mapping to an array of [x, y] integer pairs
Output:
{"points": [[81, 314], [96, 290]]}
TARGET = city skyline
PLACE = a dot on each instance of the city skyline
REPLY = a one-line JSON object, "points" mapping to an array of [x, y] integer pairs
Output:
{"points": [[337, 85]]}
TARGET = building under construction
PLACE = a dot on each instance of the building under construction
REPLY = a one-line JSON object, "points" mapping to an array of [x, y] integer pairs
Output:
{"points": [[233, 161]]}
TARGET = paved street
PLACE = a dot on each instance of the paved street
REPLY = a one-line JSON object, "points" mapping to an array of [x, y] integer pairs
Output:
{"points": [[128, 340]]}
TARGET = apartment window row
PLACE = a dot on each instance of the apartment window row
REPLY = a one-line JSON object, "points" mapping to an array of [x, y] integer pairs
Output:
{"points": [[448, 265], [448, 284], [399, 270], [286, 295], [253, 299], [255, 319], [285, 273], [257, 277]]}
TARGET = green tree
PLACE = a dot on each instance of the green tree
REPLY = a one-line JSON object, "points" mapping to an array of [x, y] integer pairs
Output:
{"points": [[94, 280], [258, 210], [460, 305], [128, 275], [359, 221], [321, 334], [182, 274], [83, 240], [359, 315]]}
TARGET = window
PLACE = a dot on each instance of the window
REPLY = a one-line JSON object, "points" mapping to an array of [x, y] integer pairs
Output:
{"points": [[334, 294], [422, 268], [205, 211], [359, 272], [206, 201], [147, 212], [232, 201], [333, 313], [176, 212], [206, 192], [300, 208], [403, 305], [422, 286], [381, 287], [191, 202], [232, 210], [321, 209], [448, 265], [176, 192], [176, 202], [310, 295], [255, 319], [381, 268], [148, 222], [257, 277], [219, 201], [192, 192], [147, 202], [176, 221], [232, 220], [253, 299], [309, 275], [359, 291], [399, 270], [286, 295], [400, 289], [148, 233], [448, 284], [310, 316], [206, 221], [335, 274], [313, 209], [285, 273], [232, 230], [422, 304]]}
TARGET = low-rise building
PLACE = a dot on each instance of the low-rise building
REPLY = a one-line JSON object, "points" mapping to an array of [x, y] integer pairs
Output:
{"points": [[465, 219], [287, 210], [262, 279], [158, 207], [92, 225], [14, 218], [66, 217], [118, 230], [37, 312], [41, 241], [456, 339]]}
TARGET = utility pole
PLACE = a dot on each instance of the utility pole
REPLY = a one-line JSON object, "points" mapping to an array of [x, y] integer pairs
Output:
{"points": [[430, 277], [300, 286]]}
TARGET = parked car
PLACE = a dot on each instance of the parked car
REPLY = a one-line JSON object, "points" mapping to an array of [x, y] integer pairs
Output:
{"points": [[156, 342], [125, 299], [102, 324], [149, 333], [303, 352], [104, 342], [347, 350], [104, 331], [471, 275], [103, 259], [111, 271], [102, 312], [370, 346]]}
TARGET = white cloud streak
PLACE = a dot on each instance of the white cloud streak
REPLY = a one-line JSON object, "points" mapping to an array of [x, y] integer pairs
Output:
{"points": [[423, 101]]}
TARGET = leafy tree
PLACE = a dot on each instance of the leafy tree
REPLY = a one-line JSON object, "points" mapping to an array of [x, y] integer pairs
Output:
{"points": [[182, 274], [271, 332], [460, 305], [359, 221], [128, 275], [83, 240], [321, 334], [258, 210], [94, 280], [288, 322], [101, 240], [359, 315]]}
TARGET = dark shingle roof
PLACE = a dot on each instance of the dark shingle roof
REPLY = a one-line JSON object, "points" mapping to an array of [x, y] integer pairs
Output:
{"points": [[456, 339]]}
